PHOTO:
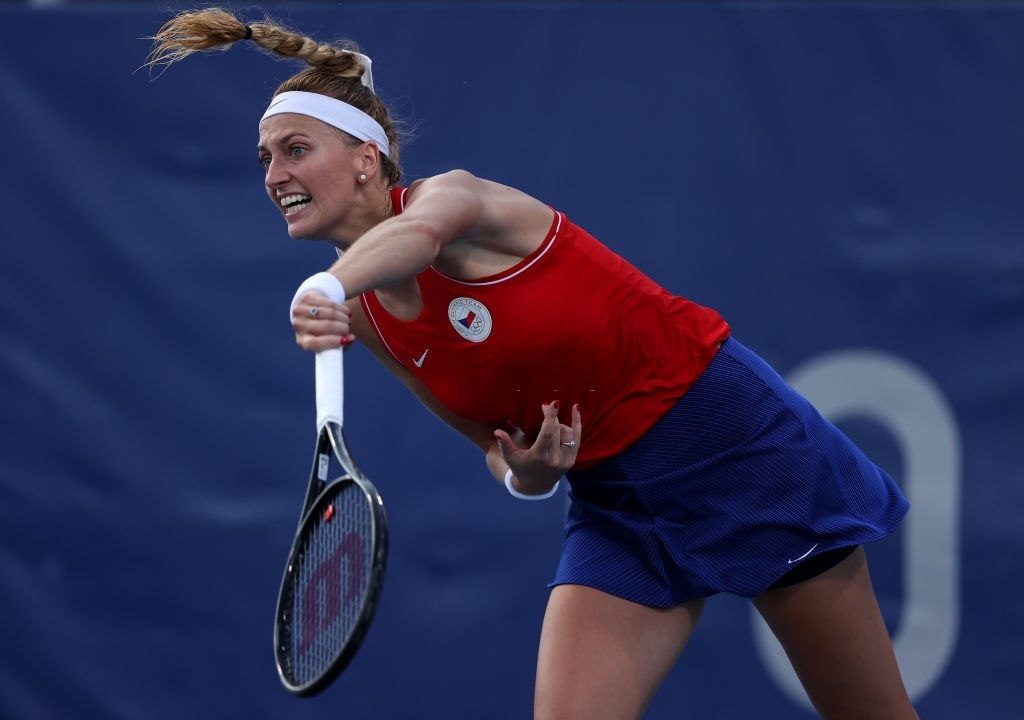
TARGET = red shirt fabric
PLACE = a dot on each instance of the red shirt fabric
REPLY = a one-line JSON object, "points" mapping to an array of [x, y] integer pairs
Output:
{"points": [[573, 322]]}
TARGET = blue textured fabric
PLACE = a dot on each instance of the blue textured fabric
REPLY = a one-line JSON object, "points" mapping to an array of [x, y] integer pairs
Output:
{"points": [[737, 484]]}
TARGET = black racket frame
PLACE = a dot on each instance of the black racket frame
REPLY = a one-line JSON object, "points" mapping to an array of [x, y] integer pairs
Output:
{"points": [[330, 441]]}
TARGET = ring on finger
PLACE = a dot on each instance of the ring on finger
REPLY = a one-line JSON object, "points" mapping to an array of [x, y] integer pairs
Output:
{"points": [[314, 311], [571, 443]]}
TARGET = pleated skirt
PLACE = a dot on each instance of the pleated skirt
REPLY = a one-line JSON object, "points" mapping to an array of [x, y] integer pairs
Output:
{"points": [[734, 487]]}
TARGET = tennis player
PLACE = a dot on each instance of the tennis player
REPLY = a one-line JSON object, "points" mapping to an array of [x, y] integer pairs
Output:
{"points": [[693, 468]]}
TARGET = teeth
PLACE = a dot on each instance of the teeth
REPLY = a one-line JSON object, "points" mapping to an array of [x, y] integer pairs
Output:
{"points": [[294, 203]]}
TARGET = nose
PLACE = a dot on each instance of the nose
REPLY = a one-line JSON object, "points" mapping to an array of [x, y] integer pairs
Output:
{"points": [[275, 173]]}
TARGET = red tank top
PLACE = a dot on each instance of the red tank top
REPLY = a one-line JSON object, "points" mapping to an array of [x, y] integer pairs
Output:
{"points": [[572, 322]]}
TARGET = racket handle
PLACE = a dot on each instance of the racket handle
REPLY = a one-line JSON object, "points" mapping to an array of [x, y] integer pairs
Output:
{"points": [[329, 385]]}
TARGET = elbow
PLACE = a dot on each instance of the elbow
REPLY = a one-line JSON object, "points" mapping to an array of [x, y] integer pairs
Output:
{"points": [[430, 239]]}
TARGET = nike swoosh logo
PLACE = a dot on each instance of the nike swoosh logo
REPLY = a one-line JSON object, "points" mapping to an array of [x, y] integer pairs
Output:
{"points": [[790, 562], [419, 362]]}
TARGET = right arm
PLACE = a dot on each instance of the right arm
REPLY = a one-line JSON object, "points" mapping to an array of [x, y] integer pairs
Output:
{"points": [[466, 226]]}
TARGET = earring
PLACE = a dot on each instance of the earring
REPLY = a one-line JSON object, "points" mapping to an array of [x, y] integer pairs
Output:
{"points": [[362, 177]]}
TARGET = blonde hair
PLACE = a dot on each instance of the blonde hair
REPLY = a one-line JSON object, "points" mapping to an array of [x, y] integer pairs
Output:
{"points": [[334, 70]]}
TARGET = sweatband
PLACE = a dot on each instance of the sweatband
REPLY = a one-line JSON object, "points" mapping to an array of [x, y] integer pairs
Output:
{"points": [[522, 496], [322, 282], [335, 113]]}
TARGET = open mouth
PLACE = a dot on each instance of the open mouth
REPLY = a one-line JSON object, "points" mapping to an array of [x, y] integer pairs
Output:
{"points": [[293, 203]]}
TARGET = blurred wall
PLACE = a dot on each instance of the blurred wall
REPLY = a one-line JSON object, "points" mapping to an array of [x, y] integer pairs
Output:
{"points": [[842, 182]]}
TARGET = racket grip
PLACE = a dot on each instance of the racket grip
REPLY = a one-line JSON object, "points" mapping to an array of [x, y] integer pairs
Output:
{"points": [[329, 387], [329, 381]]}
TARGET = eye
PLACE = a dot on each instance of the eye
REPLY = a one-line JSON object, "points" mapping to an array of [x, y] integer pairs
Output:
{"points": [[296, 150], [265, 161]]}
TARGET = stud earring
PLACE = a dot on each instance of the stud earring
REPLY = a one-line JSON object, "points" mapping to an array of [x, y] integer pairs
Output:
{"points": [[362, 177]]}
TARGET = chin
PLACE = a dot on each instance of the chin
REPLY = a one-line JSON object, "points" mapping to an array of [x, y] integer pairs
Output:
{"points": [[296, 231], [302, 228]]}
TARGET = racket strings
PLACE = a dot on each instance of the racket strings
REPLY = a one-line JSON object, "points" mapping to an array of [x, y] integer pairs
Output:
{"points": [[331, 580]]}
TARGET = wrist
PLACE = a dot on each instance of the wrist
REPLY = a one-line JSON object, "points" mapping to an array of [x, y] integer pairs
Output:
{"points": [[322, 282], [510, 486]]}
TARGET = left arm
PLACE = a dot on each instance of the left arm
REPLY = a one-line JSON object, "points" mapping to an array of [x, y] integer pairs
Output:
{"points": [[536, 464]]}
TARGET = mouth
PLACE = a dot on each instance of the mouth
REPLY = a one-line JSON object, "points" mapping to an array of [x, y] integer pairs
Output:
{"points": [[292, 204]]}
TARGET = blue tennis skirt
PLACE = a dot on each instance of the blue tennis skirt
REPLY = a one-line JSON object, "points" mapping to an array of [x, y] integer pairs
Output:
{"points": [[741, 481]]}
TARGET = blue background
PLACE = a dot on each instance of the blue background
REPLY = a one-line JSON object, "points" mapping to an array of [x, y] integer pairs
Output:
{"points": [[829, 177]]}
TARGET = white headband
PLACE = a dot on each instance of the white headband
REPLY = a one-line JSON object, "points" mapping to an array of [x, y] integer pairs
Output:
{"points": [[334, 112]]}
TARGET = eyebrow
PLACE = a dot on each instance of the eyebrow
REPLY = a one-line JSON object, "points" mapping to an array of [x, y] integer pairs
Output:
{"points": [[285, 139]]}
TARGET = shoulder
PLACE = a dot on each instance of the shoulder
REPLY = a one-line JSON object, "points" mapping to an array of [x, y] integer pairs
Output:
{"points": [[452, 180], [487, 197], [481, 212]]}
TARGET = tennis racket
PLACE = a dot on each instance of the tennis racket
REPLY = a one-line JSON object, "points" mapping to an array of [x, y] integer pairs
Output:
{"points": [[335, 569]]}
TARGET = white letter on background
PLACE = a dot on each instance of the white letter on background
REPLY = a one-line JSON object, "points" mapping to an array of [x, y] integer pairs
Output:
{"points": [[898, 396]]}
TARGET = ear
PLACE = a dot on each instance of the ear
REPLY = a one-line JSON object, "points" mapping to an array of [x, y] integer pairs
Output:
{"points": [[367, 160]]}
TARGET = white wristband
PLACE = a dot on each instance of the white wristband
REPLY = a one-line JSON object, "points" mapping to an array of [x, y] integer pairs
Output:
{"points": [[522, 496], [323, 282]]}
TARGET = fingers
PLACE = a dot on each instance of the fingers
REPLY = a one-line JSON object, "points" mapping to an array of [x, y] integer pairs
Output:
{"points": [[505, 444], [560, 443], [562, 433], [321, 324], [577, 424], [539, 463]]}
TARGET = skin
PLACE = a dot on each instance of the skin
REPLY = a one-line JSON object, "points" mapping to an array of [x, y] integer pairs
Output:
{"points": [[465, 226], [600, 656], [603, 658]]}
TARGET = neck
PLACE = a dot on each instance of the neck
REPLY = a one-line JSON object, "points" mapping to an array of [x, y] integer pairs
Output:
{"points": [[371, 213]]}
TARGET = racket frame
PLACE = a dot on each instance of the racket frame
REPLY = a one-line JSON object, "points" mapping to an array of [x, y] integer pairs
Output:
{"points": [[330, 441]]}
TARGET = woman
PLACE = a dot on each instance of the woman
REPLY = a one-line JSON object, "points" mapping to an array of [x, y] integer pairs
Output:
{"points": [[699, 471]]}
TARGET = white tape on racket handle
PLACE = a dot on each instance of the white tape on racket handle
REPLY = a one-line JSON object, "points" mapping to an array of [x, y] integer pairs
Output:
{"points": [[329, 379], [329, 387]]}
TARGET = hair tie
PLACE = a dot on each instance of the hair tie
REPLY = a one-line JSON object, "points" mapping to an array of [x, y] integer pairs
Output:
{"points": [[248, 33]]}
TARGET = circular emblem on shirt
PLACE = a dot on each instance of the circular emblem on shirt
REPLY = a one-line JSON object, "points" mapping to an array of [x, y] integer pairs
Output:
{"points": [[470, 318]]}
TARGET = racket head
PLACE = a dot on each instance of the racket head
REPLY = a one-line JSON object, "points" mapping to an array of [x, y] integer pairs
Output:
{"points": [[331, 585]]}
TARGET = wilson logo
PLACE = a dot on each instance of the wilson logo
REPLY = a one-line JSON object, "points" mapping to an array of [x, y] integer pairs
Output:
{"points": [[322, 601]]}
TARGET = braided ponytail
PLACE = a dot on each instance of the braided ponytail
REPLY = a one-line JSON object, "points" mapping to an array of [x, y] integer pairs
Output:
{"points": [[333, 70]]}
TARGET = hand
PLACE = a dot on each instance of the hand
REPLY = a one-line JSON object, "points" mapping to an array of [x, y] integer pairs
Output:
{"points": [[321, 324], [539, 466]]}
